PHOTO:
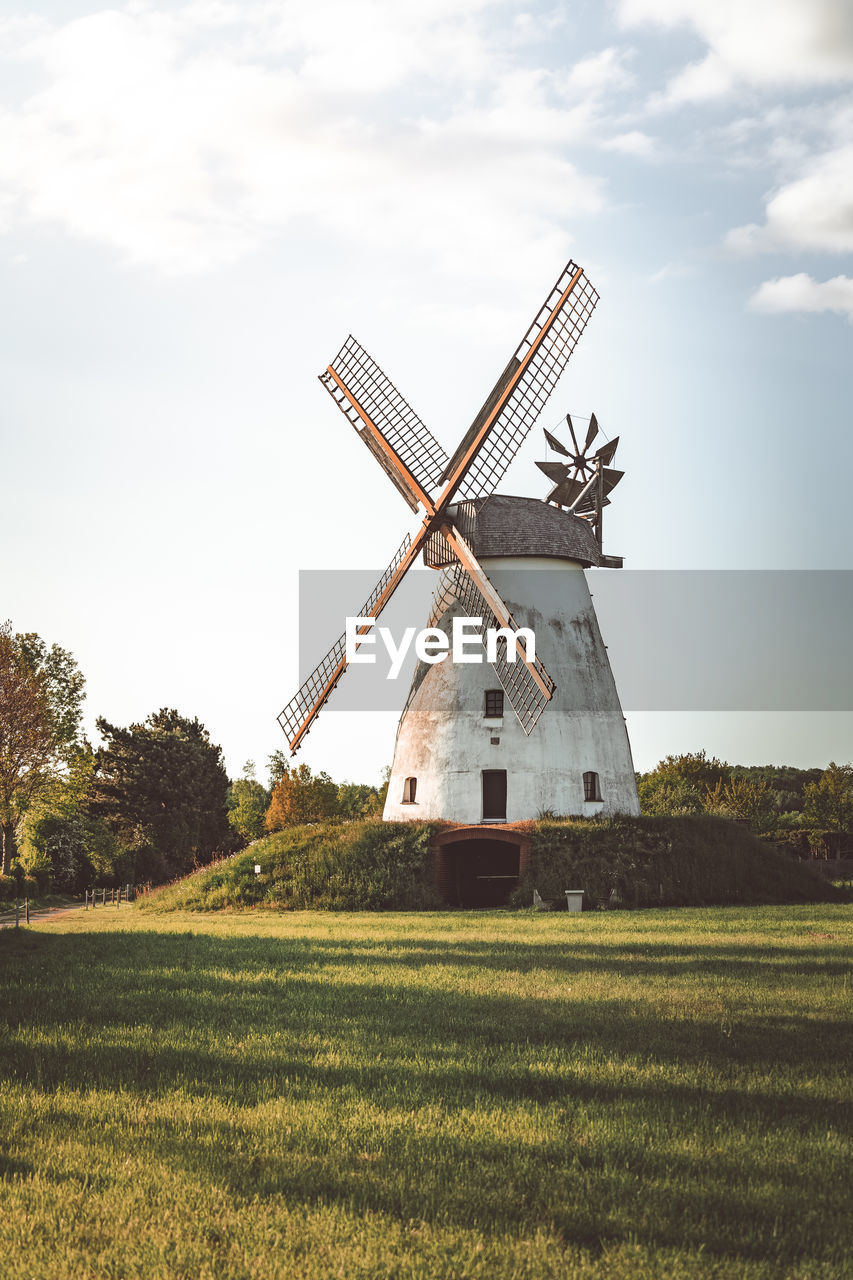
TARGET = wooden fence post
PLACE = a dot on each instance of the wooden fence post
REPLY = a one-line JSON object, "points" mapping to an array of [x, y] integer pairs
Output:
{"points": [[27, 909]]}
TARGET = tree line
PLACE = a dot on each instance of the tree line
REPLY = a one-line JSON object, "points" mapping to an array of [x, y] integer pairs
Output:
{"points": [[767, 797], [154, 800], [150, 803]]}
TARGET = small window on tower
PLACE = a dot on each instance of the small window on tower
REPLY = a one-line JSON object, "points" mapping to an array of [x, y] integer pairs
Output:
{"points": [[591, 789], [494, 704], [410, 786]]}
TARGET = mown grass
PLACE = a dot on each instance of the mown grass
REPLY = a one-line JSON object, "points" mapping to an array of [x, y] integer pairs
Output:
{"points": [[647, 1094]]}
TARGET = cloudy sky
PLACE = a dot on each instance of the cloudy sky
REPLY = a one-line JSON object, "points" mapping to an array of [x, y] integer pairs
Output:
{"points": [[199, 201]]}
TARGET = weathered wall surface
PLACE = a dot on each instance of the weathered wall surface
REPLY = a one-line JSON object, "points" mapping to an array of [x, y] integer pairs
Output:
{"points": [[445, 742]]}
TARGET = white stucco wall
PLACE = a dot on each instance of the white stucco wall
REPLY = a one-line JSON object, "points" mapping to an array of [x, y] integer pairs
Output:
{"points": [[444, 741]]}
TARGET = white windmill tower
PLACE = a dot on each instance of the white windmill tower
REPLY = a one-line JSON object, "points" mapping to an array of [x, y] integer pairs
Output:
{"points": [[513, 562]]}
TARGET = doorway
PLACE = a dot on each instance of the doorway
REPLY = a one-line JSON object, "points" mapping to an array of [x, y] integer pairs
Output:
{"points": [[494, 795], [482, 873]]}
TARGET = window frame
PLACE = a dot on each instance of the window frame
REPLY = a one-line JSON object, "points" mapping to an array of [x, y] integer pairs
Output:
{"points": [[591, 782], [410, 791], [493, 715]]}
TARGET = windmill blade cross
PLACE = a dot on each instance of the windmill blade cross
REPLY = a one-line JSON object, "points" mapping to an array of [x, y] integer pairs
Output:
{"points": [[417, 464]]}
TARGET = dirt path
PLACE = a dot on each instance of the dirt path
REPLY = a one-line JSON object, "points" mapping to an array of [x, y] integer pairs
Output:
{"points": [[38, 916]]}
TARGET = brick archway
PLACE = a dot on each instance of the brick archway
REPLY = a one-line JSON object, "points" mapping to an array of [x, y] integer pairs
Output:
{"points": [[478, 866]]}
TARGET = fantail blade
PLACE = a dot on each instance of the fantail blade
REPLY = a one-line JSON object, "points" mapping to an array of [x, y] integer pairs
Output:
{"points": [[571, 428], [555, 444], [555, 471], [606, 452]]}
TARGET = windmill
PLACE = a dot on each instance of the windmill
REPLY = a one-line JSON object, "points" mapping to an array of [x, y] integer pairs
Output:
{"points": [[455, 498]]}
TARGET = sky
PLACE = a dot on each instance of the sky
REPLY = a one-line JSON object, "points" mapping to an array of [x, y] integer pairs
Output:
{"points": [[199, 201]]}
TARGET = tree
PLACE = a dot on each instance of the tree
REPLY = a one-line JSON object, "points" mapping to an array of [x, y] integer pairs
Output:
{"points": [[64, 686], [278, 765], [300, 796], [358, 800], [59, 835], [162, 785], [248, 802], [742, 798], [668, 796], [829, 801], [41, 695], [678, 784]]}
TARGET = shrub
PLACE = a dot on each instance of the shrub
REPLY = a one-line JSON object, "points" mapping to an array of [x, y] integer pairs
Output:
{"points": [[645, 862]]}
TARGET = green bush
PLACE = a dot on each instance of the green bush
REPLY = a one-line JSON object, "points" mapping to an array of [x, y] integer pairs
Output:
{"points": [[8, 888]]}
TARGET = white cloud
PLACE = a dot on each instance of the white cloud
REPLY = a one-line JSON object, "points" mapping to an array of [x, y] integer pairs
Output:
{"points": [[185, 137], [754, 42], [812, 212], [802, 293], [633, 143], [599, 71]]}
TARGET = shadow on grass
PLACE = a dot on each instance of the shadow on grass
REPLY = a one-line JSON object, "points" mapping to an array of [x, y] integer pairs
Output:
{"points": [[248, 1021]]}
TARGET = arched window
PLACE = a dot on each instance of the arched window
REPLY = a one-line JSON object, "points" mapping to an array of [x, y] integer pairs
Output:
{"points": [[591, 788], [410, 787]]}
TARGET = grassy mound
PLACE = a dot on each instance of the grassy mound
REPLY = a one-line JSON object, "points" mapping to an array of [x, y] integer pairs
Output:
{"points": [[671, 862], [366, 865], [372, 865]]}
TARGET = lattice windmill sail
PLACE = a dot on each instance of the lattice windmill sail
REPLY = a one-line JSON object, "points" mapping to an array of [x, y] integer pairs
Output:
{"points": [[431, 484]]}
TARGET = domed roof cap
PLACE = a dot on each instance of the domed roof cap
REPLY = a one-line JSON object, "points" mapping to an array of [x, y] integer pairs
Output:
{"points": [[502, 525]]}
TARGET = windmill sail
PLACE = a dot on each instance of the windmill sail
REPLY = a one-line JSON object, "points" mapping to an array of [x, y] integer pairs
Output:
{"points": [[525, 692], [392, 415], [304, 706], [523, 388]]}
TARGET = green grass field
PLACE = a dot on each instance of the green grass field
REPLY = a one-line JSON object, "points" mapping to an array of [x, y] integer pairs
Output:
{"points": [[612, 1095]]}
